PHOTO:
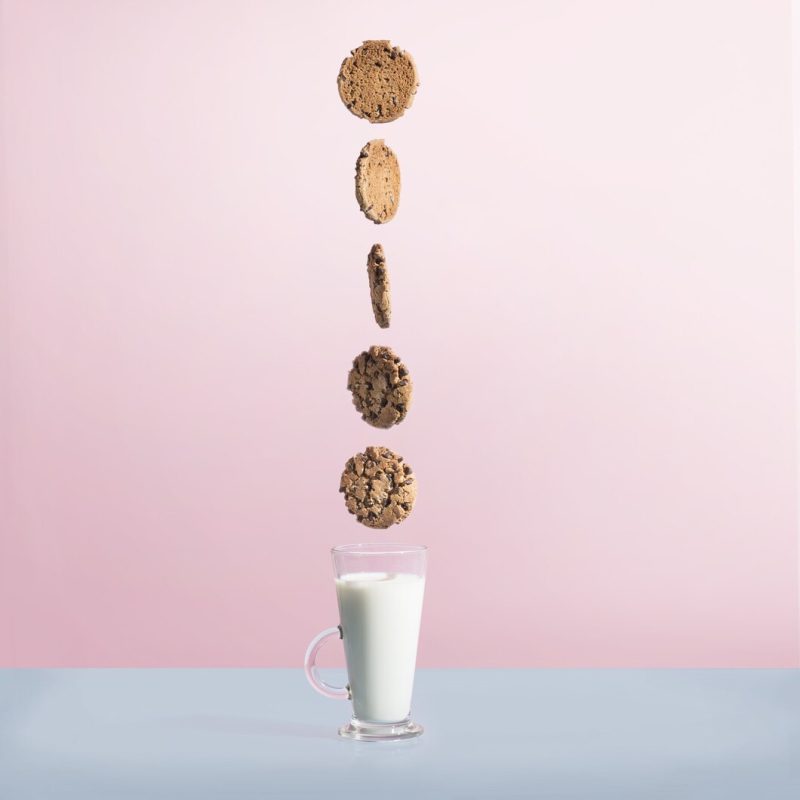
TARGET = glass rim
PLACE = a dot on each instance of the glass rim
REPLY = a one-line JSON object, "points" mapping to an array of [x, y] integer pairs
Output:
{"points": [[378, 549]]}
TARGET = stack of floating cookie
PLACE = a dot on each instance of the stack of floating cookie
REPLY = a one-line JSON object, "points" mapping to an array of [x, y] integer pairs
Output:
{"points": [[377, 82]]}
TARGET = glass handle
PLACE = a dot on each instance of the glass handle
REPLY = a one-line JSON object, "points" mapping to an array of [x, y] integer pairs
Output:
{"points": [[336, 692]]}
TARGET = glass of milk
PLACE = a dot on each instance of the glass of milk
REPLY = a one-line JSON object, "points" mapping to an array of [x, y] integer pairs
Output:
{"points": [[379, 588]]}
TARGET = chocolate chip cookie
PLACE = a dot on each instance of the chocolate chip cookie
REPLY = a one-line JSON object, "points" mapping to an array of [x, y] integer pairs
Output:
{"points": [[379, 286], [377, 82], [377, 181], [381, 387], [378, 487]]}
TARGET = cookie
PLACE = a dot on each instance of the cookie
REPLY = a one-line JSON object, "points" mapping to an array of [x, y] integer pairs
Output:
{"points": [[377, 181], [378, 487], [379, 286], [381, 387], [377, 82]]}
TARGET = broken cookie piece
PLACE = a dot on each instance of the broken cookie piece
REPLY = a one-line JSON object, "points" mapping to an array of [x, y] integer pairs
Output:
{"points": [[378, 487]]}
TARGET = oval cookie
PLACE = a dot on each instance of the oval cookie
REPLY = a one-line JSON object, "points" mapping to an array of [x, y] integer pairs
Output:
{"points": [[377, 181], [377, 82]]}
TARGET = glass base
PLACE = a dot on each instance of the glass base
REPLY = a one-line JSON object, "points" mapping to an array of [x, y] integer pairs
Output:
{"points": [[380, 732]]}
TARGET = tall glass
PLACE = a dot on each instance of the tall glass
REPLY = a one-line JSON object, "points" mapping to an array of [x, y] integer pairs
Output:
{"points": [[380, 589]]}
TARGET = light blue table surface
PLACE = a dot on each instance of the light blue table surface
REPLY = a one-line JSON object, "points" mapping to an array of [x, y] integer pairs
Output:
{"points": [[490, 734]]}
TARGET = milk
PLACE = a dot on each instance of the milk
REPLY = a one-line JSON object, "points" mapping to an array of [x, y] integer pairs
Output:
{"points": [[380, 613]]}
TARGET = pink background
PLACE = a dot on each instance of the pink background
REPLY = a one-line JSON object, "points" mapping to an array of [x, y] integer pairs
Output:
{"points": [[593, 291]]}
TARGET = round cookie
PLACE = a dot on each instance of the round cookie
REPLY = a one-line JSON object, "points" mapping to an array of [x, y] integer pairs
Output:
{"points": [[377, 82], [378, 487], [381, 387], [377, 181], [379, 286]]}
